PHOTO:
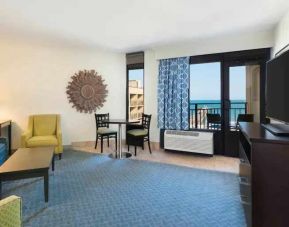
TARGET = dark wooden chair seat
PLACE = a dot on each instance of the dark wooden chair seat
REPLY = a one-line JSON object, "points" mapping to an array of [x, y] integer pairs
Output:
{"points": [[136, 135]]}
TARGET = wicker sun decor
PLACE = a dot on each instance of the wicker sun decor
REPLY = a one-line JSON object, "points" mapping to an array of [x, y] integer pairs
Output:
{"points": [[86, 91]]}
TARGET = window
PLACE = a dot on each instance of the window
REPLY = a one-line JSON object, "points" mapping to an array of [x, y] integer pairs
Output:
{"points": [[205, 93], [135, 93]]}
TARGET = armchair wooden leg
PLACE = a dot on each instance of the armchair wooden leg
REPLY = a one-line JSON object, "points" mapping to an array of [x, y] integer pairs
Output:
{"points": [[101, 143], [108, 141], [127, 147], [135, 150], [59, 156]]}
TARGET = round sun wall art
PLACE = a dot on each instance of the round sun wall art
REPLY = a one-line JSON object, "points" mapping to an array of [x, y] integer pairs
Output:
{"points": [[86, 91]]}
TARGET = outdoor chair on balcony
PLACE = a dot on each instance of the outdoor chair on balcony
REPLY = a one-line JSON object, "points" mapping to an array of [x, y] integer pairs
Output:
{"points": [[213, 121], [244, 118], [136, 135], [103, 131]]}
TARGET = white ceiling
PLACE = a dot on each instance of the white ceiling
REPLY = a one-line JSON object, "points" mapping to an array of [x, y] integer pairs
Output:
{"points": [[132, 25]]}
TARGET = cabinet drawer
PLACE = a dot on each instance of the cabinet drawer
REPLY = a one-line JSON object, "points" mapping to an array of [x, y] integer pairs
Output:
{"points": [[245, 187], [247, 206]]}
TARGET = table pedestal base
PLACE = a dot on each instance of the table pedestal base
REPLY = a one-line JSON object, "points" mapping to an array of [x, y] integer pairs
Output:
{"points": [[123, 155]]}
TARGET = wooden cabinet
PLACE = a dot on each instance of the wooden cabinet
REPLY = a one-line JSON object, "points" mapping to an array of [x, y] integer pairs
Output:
{"points": [[264, 176]]}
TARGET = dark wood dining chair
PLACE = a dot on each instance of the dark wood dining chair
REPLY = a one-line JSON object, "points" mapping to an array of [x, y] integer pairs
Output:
{"points": [[214, 121], [244, 118], [103, 131], [137, 135]]}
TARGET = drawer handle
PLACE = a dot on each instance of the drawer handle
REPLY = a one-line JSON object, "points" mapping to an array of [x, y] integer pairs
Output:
{"points": [[245, 200], [244, 180]]}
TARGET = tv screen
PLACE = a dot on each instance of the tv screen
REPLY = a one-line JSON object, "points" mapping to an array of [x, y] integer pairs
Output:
{"points": [[277, 88]]}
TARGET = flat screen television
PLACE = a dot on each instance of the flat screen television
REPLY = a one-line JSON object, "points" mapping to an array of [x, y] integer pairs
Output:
{"points": [[277, 91]]}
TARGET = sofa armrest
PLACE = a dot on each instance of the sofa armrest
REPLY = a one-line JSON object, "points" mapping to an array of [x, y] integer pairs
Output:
{"points": [[24, 137], [10, 211]]}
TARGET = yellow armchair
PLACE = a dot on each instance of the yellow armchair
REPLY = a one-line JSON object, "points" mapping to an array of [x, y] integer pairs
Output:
{"points": [[43, 130]]}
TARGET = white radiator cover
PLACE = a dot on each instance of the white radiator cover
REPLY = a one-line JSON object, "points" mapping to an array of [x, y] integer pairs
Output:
{"points": [[190, 141]]}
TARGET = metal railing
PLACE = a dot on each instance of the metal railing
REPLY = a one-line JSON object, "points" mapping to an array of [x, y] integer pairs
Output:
{"points": [[199, 111]]}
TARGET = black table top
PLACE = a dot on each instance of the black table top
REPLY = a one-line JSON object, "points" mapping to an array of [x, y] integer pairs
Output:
{"points": [[120, 121], [28, 159]]}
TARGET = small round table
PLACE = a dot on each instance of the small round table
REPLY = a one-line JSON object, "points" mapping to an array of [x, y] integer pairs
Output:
{"points": [[119, 154]]}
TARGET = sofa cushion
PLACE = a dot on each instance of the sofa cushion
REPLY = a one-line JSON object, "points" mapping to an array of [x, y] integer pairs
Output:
{"points": [[3, 153], [44, 125], [138, 132], [2, 146], [42, 141]]}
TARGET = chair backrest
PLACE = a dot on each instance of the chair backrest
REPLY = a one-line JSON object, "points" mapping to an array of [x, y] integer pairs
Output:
{"points": [[245, 118], [44, 124], [99, 118], [214, 118], [146, 121]]}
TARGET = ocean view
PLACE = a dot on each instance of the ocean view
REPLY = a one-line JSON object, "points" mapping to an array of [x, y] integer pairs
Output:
{"points": [[216, 103], [214, 106]]}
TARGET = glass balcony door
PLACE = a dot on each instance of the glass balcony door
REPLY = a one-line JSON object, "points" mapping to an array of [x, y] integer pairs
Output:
{"points": [[205, 96], [241, 92]]}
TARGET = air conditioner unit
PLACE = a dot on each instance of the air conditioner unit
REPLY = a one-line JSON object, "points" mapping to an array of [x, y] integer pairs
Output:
{"points": [[189, 141]]}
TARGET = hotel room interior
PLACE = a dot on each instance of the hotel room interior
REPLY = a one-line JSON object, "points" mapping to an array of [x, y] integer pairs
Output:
{"points": [[144, 113]]}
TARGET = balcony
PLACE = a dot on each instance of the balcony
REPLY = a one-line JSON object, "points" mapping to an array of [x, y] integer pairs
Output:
{"points": [[199, 111]]}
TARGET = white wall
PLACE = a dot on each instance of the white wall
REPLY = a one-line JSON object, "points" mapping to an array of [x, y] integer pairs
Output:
{"points": [[282, 33], [220, 44], [33, 80], [34, 76], [150, 92]]}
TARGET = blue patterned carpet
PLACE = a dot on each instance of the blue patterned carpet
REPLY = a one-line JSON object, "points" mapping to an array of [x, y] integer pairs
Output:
{"points": [[94, 190]]}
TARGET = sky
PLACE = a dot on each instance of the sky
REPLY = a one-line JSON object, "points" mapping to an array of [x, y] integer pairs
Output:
{"points": [[136, 74], [205, 82]]}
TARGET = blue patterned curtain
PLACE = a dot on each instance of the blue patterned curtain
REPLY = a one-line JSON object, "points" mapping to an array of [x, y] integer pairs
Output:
{"points": [[173, 93]]}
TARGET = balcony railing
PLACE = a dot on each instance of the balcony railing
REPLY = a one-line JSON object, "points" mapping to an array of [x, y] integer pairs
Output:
{"points": [[199, 111]]}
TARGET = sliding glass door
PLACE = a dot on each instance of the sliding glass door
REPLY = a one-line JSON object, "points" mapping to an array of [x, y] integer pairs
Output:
{"points": [[205, 96], [225, 88]]}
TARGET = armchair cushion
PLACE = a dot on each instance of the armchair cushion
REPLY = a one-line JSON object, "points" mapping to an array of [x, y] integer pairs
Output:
{"points": [[10, 211], [42, 141], [138, 132], [44, 125]]}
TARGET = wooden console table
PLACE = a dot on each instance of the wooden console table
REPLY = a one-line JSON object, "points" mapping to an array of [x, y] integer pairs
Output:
{"points": [[4, 124], [264, 176]]}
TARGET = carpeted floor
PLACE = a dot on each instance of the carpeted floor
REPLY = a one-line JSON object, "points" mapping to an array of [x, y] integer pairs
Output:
{"points": [[94, 190]]}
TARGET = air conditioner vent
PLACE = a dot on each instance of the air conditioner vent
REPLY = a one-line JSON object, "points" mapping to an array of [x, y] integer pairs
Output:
{"points": [[190, 141], [182, 133]]}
